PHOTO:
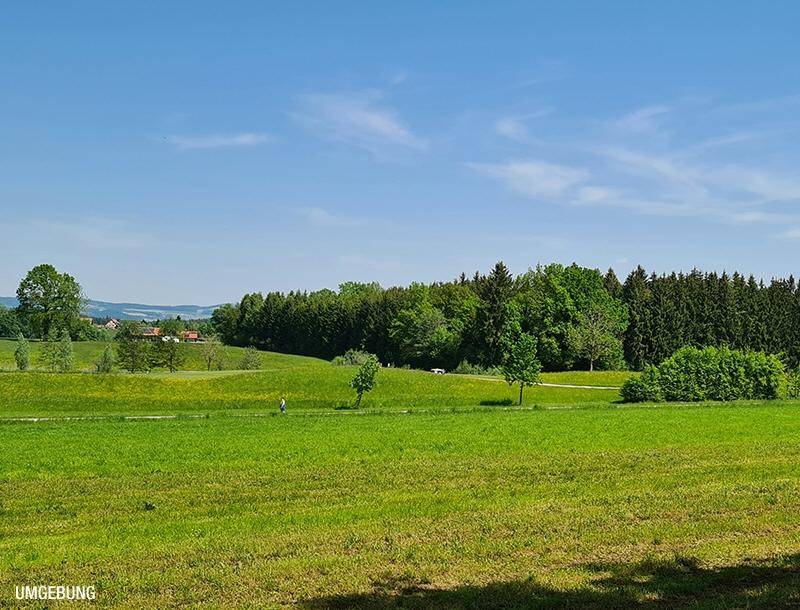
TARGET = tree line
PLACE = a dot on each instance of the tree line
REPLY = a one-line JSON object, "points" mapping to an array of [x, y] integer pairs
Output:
{"points": [[579, 318], [668, 312], [570, 312]]}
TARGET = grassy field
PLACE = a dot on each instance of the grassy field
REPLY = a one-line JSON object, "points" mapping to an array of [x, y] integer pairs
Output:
{"points": [[612, 507], [307, 384], [305, 388], [437, 494]]}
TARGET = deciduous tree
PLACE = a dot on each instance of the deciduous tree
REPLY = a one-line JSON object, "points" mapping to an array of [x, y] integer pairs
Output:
{"points": [[593, 337], [49, 299], [520, 364], [364, 381]]}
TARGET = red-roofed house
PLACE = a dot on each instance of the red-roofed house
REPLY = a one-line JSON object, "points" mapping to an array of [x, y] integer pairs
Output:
{"points": [[190, 336]]}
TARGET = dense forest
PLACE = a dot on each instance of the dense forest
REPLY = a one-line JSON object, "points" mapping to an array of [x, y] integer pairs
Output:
{"points": [[641, 321]]}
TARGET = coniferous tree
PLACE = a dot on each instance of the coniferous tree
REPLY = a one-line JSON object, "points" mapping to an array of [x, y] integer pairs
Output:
{"points": [[22, 353], [48, 353], [612, 284], [494, 294], [64, 355], [636, 295], [134, 352], [106, 362]]}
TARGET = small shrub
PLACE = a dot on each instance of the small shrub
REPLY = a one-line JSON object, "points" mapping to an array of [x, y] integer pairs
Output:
{"points": [[251, 360], [352, 357], [106, 362], [644, 388], [465, 367]]}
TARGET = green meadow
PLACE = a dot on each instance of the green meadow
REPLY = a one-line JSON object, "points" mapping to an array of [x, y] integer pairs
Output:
{"points": [[438, 493], [309, 384], [611, 507]]}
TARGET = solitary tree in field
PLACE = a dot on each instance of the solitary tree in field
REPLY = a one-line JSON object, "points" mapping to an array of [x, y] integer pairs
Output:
{"points": [[212, 353], [364, 381], [49, 299], [106, 362], [22, 354], [64, 356], [251, 361], [521, 365], [593, 337]]}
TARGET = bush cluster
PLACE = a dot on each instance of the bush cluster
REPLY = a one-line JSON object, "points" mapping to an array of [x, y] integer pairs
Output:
{"points": [[693, 374], [352, 357], [251, 360], [465, 367]]}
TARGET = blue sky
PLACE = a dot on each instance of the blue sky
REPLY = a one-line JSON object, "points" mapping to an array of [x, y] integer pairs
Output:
{"points": [[191, 152]]}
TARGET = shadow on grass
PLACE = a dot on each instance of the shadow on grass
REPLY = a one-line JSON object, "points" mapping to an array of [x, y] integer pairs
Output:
{"points": [[505, 402], [678, 583], [346, 408]]}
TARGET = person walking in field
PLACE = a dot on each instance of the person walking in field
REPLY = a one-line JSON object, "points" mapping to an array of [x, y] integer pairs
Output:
{"points": [[283, 405]]}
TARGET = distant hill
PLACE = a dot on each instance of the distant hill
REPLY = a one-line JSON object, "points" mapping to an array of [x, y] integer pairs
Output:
{"points": [[136, 311]]}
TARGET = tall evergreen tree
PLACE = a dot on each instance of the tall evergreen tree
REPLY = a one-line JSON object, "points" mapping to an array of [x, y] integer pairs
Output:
{"points": [[22, 353], [612, 284], [494, 294], [636, 295]]}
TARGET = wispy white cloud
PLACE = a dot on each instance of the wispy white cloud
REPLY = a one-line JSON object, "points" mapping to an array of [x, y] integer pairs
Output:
{"points": [[188, 142], [514, 127], [791, 234], [534, 178], [722, 141], [758, 106], [398, 78], [89, 233], [643, 120], [511, 128], [358, 119], [762, 183], [630, 162], [738, 183], [597, 194], [543, 71], [321, 217], [618, 198]]}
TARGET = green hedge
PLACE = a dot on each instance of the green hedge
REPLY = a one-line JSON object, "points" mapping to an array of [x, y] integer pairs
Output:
{"points": [[712, 373]]}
